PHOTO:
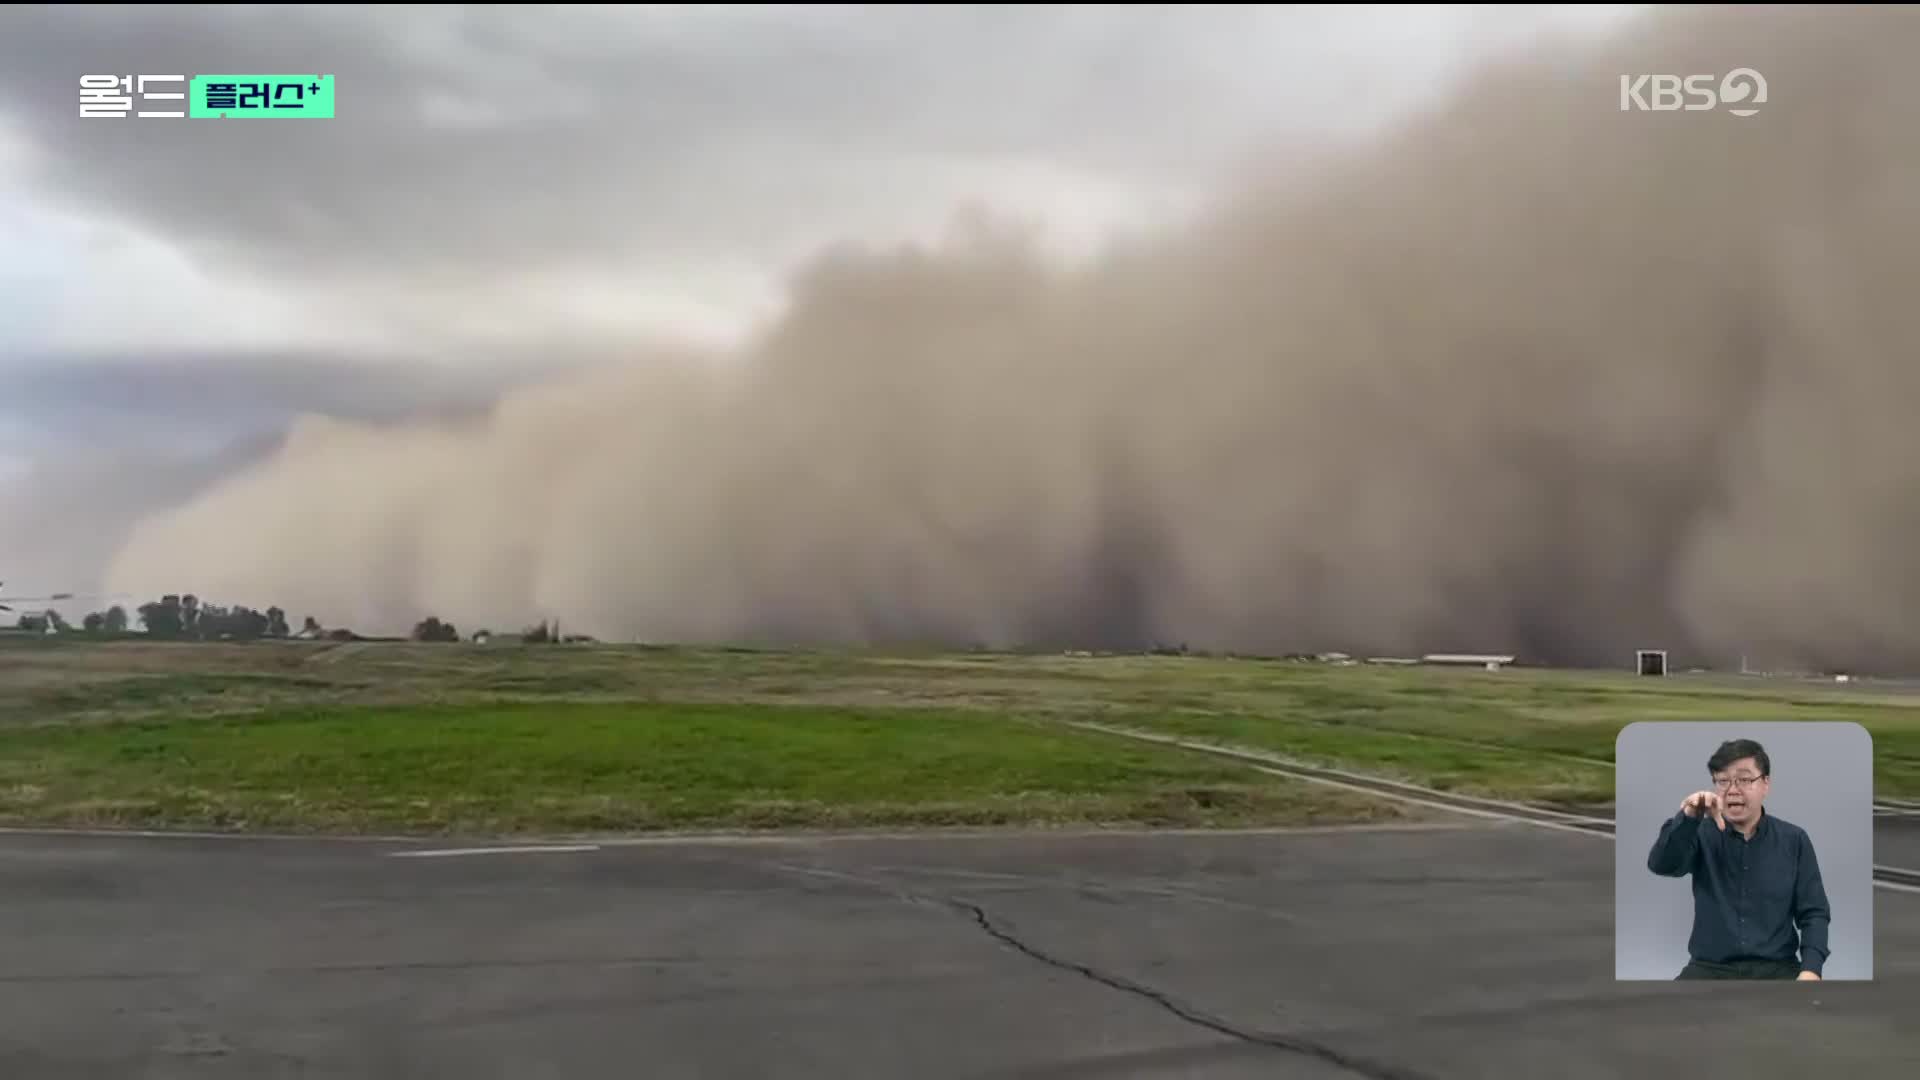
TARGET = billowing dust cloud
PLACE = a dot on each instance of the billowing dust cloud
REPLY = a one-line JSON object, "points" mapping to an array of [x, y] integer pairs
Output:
{"points": [[1531, 374]]}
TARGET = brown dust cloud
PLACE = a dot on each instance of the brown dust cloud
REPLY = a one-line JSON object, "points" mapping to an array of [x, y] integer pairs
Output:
{"points": [[1527, 373]]}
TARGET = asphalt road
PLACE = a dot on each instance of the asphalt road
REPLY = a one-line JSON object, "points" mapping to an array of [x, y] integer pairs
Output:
{"points": [[1896, 841], [1483, 950]]}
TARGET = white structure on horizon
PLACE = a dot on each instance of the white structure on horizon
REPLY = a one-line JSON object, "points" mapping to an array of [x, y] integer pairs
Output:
{"points": [[1491, 663]]}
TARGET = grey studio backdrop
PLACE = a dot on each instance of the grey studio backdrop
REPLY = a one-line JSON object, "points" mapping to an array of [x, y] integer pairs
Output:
{"points": [[1822, 782]]}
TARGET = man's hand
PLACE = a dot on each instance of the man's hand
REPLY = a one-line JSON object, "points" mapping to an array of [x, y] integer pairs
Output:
{"points": [[1808, 976], [1706, 802]]}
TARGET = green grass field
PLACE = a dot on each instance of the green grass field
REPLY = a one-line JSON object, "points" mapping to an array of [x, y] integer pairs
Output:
{"points": [[460, 738], [614, 767]]}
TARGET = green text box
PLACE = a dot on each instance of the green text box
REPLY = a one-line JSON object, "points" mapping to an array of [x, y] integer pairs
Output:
{"points": [[308, 97]]}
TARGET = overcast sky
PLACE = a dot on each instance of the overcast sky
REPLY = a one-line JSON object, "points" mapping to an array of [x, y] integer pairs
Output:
{"points": [[506, 192]]}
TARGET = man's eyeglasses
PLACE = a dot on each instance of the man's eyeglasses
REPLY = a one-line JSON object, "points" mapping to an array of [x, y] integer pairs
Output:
{"points": [[1742, 782]]}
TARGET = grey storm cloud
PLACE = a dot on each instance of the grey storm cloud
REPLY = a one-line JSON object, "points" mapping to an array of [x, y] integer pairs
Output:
{"points": [[107, 441], [69, 513], [241, 393], [484, 140]]}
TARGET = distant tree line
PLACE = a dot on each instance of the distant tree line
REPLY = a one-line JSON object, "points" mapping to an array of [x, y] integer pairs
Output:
{"points": [[113, 621], [184, 617], [540, 633], [432, 629], [543, 633]]}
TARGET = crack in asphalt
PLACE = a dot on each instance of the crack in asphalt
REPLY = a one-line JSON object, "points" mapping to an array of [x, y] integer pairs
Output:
{"points": [[1372, 1070]]}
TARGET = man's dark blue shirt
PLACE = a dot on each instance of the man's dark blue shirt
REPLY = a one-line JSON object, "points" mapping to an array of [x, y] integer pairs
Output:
{"points": [[1749, 896]]}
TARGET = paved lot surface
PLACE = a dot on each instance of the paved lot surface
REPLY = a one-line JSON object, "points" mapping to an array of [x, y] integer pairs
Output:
{"points": [[1896, 842], [1476, 951]]}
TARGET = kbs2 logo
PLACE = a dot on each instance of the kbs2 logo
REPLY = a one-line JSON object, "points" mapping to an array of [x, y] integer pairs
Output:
{"points": [[1741, 89]]}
